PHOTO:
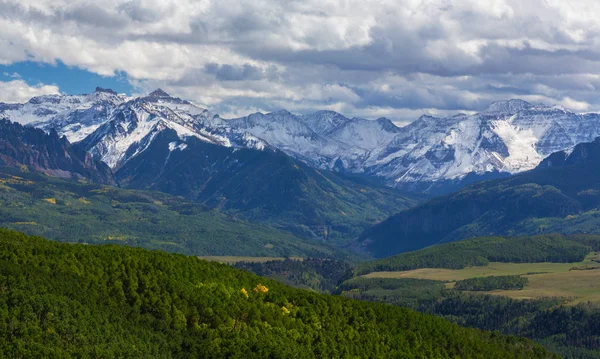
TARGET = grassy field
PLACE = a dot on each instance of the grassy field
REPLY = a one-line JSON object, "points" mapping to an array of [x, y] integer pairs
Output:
{"points": [[545, 279], [237, 259]]}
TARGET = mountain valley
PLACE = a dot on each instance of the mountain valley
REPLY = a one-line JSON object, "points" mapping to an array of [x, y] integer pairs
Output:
{"points": [[299, 179], [161, 143]]}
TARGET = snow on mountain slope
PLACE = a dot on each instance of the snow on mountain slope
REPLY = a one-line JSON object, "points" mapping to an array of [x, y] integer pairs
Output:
{"points": [[324, 139], [292, 135], [75, 116], [324, 122], [366, 134], [509, 136], [132, 126], [520, 145]]}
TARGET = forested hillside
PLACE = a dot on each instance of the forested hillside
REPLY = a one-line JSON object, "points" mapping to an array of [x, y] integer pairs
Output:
{"points": [[322, 275], [84, 212], [561, 196], [70, 300], [482, 284], [480, 251], [265, 186], [526, 275]]}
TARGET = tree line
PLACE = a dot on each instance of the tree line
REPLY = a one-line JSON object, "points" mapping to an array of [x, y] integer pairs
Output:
{"points": [[504, 282], [482, 250], [73, 300]]}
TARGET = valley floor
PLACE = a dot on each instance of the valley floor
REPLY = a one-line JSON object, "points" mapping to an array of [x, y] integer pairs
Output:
{"points": [[576, 282]]}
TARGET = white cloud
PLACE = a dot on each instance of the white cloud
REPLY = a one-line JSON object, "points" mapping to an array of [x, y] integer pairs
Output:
{"points": [[18, 91], [13, 75], [379, 56], [574, 105]]}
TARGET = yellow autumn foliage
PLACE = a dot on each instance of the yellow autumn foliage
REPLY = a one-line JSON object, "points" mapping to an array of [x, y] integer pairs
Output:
{"points": [[50, 200], [260, 289], [244, 292], [285, 310]]}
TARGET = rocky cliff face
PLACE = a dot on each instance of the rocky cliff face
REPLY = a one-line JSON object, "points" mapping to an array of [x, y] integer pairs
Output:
{"points": [[37, 150]]}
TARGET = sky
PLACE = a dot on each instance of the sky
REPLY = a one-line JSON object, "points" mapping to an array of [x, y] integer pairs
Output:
{"points": [[369, 58]]}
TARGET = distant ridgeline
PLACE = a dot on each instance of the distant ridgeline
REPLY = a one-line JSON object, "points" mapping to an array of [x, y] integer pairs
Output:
{"points": [[80, 211], [562, 195], [480, 251], [71, 300]]}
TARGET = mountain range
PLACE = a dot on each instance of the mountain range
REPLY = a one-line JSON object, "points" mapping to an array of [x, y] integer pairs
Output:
{"points": [[163, 173], [319, 175], [163, 143], [561, 195], [430, 154]]}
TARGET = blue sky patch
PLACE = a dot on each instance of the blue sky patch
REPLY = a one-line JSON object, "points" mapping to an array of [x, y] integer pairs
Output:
{"points": [[70, 80]]}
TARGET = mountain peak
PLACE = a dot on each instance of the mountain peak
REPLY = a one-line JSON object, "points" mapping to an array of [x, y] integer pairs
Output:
{"points": [[158, 93], [325, 112], [282, 112], [110, 91], [426, 118], [509, 106], [387, 124]]}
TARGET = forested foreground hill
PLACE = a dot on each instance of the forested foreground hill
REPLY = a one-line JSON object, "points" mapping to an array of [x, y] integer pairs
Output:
{"points": [[71, 300]]}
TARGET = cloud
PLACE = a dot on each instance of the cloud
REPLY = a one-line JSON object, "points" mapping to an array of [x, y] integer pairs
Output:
{"points": [[575, 105], [370, 56], [228, 72], [13, 75], [18, 91]]}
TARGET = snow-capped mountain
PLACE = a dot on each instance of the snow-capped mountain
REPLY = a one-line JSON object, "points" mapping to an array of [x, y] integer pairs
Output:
{"points": [[290, 133], [324, 139], [508, 137], [115, 128], [132, 126], [76, 116]]}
